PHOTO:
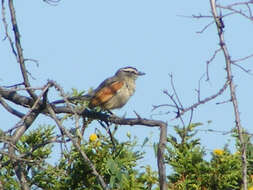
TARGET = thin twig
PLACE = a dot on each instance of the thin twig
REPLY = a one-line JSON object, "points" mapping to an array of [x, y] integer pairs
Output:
{"points": [[240, 3], [177, 107], [198, 90], [6, 31], [205, 27], [209, 61], [248, 71], [235, 11], [242, 59], [224, 102], [207, 99], [52, 2], [175, 92]]}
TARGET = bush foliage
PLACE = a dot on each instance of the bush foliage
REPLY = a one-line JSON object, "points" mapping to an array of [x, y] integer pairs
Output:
{"points": [[118, 163]]}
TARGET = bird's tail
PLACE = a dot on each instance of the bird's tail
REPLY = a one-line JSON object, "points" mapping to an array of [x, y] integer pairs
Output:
{"points": [[71, 99]]}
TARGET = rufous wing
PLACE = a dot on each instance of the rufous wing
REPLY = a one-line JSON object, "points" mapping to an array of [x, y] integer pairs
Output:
{"points": [[105, 94]]}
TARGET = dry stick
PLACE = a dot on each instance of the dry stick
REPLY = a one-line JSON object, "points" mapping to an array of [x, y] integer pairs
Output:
{"points": [[181, 111], [10, 109], [242, 68], [232, 93], [235, 62], [26, 122], [243, 58], [241, 3], [14, 89], [36, 103], [198, 90], [209, 61], [20, 50], [177, 106], [175, 92], [6, 31], [236, 11], [85, 157]]}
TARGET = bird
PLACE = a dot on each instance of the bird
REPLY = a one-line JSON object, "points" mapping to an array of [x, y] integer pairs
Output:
{"points": [[114, 92]]}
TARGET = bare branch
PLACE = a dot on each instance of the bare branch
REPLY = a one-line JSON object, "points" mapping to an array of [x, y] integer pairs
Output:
{"points": [[240, 3], [223, 102], [242, 68], [243, 58], [240, 12], [10, 109], [234, 62], [35, 105], [21, 59], [14, 86], [163, 105], [232, 91], [209, 61], [6, 31], [52, 2], [203, 29], [207, 99], [198, 90], [209, 24], [33, 60], [175, 92]]}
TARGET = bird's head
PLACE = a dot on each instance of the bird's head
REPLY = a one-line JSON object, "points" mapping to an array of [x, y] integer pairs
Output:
{"points": [[129, 72]]}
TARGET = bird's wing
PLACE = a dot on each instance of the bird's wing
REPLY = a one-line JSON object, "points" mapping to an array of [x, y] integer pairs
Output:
{"points": [[103, 94]]}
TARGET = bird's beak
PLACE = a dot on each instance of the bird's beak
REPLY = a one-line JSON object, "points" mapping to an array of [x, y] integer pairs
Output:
{"points": [[141, 73]]}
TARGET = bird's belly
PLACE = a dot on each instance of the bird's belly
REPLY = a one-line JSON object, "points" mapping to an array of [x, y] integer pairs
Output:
{"points": [[119, 100]]}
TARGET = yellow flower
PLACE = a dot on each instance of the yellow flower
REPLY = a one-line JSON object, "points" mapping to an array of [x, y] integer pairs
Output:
{"points": [[251, 188], [93, 137], [219, 152]]}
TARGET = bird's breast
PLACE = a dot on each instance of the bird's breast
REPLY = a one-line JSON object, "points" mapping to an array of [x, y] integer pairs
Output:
{"points": [[121, 97]]}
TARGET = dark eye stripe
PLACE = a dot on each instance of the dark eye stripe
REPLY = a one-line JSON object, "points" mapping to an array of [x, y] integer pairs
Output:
{"points": [[130, 69]]}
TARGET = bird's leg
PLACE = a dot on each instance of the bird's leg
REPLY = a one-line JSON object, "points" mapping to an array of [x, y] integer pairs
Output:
{"points": [[106, 127]]}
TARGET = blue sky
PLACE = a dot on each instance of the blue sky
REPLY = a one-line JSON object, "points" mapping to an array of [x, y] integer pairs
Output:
{"points": [[80, 43]]}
